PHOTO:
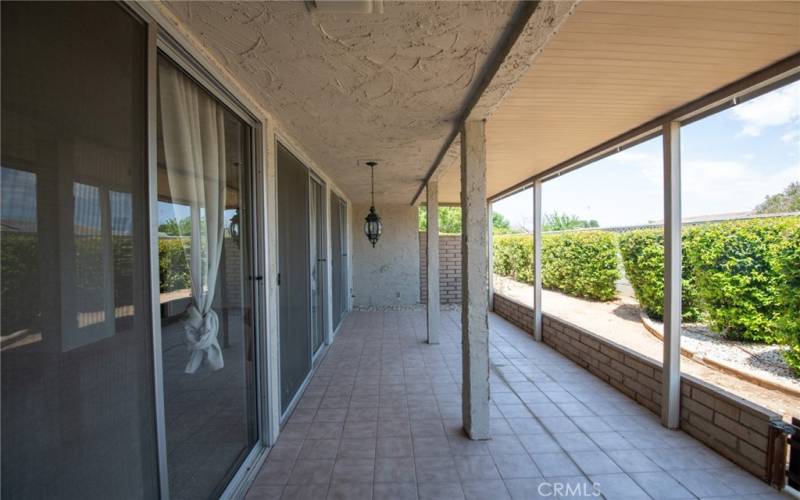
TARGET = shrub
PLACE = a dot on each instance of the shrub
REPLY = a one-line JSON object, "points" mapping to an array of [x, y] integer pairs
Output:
{"points": [[173, 267], [513, 256], [21, 281], [736, 266], [582, 264], [786, 261], [643, 258]]}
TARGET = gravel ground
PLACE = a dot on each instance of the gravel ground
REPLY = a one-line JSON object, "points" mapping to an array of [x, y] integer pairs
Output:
{"points": [[764, 360], [619, 321]]}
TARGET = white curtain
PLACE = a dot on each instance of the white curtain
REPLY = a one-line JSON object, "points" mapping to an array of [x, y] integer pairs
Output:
{"points": [[194, 148]]}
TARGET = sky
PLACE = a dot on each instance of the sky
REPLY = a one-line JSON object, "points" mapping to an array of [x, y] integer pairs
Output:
{"points": [[730, 161]]}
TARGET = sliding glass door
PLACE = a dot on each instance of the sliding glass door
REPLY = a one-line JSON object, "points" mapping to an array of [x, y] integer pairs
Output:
{"points": [[338, 259], [78, 415], [294, 274], [206, 294], [317, 262]]}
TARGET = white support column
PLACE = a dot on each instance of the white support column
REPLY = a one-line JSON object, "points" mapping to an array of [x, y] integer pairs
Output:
{"points": [[270, 228], [475, 280], [490, 249], [671, 380], [537, 260], [432, 193]]}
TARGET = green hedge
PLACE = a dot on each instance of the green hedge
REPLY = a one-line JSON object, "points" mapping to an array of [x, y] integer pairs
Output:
{"points": [[737, 269], [21, 281], [582, 264], [643, 257], [786, 261], [173, 267], [742, 277], [513, 256]]}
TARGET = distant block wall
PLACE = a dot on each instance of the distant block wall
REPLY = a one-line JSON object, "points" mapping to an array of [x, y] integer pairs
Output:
{"points": [[732, 426], [449, 268]]}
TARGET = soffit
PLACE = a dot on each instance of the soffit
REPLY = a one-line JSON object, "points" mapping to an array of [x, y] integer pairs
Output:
{"points": [[616, 65]]}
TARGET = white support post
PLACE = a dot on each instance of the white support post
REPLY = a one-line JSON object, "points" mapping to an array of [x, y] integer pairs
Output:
{"points": [[475, 282], [490, 250], [432, 194], [671, 379], [537, 260]]}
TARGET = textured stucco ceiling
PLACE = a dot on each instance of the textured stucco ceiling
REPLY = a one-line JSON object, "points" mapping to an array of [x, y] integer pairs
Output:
{"points": [[357, 86]]}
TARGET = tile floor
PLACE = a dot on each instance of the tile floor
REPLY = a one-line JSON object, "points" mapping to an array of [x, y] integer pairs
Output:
{"points": [[381, 419]]}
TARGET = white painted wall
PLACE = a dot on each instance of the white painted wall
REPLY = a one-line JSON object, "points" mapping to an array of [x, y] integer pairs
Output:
{"points": [[389, 273]]}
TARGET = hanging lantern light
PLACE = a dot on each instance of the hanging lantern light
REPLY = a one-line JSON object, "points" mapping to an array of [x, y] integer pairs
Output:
{"points": [[373, 227], [233, 227]]}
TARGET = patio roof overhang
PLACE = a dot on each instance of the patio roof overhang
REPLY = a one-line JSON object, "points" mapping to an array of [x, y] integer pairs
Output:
{"points": [[351, 84], [614, 66]]}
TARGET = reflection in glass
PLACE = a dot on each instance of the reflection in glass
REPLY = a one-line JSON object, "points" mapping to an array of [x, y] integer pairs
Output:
{"points": [[206, 317], [77, 391]]}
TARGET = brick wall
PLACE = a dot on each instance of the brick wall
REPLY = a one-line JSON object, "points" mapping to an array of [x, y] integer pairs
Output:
{"points": [[732, 426], [517, 314], [449, 268]]}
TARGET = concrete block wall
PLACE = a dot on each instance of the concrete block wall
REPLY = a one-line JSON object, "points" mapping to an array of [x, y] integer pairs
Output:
{"points": [[449, 268], [730, 425], [514, 312], [388, 274]]}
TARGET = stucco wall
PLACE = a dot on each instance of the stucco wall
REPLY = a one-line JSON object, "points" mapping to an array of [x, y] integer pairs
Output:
{"points": [[389, 273]]}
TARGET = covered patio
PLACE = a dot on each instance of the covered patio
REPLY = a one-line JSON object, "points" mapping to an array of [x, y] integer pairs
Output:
{"points": [[381, 419], [249, 340]]}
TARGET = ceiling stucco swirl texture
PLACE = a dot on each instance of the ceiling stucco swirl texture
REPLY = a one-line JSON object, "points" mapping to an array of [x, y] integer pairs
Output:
{"points": [[355, 86]]}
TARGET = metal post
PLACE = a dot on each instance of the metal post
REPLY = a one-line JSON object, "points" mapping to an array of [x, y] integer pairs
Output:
{"points": [[490, 253], [537, 260], [671, 391]]}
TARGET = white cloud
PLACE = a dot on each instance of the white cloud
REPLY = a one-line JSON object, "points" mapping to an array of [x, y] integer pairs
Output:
{"points": [[650, 165], [721, 186], [792, 136], [776, 108]]}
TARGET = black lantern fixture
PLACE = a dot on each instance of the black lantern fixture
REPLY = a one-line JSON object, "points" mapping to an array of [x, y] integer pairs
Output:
{"points": [[233, 227], [373, 227]]}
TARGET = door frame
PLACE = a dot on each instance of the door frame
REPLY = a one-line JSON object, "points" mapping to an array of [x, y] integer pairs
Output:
{"points": [[344, 236], [322, 280], [165, 38], [281, 141]]}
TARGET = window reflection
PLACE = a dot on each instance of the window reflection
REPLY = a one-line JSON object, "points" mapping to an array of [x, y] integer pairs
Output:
{"points": [[19, 247], [77, 374], [202, 268]]}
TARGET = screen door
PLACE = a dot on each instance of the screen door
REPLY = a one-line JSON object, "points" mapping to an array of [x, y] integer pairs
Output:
{"points": [[294, 274], [338, 258]]}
